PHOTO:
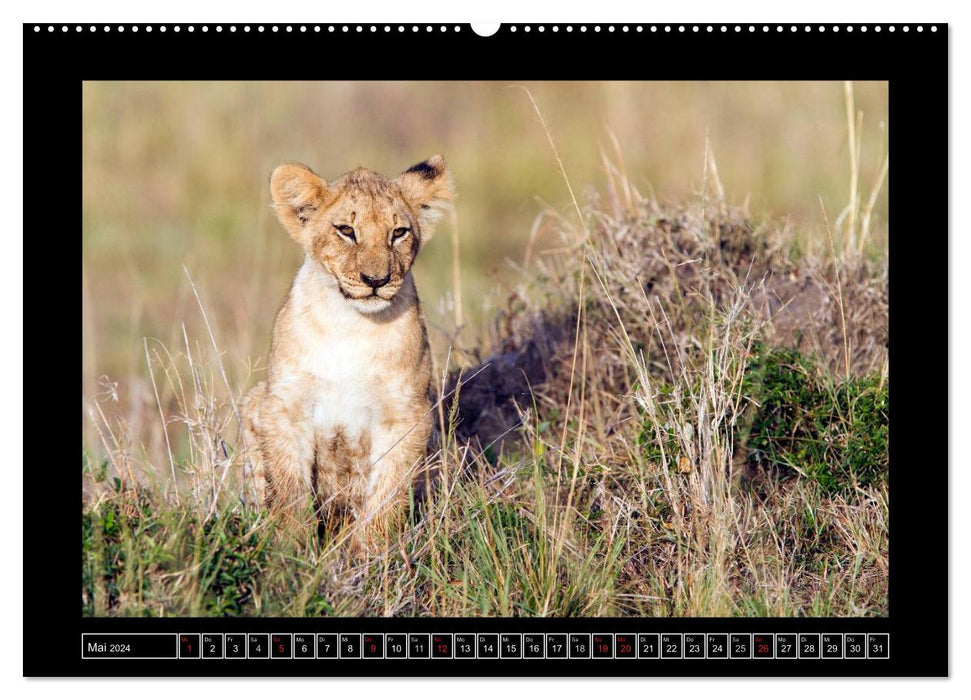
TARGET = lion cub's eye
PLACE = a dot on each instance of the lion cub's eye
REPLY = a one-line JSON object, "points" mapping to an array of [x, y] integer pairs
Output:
{"points": [[346, 231], [399, 233]]}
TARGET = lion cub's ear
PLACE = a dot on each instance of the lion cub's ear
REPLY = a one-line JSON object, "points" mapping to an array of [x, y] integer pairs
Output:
{"points": [[297, 193], [428, 189]]}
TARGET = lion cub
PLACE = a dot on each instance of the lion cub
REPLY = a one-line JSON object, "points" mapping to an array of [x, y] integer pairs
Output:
{"points": [[344, 416]]}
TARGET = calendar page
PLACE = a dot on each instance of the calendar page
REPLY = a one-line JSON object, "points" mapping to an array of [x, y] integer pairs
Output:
{"points": [[524, 349]]}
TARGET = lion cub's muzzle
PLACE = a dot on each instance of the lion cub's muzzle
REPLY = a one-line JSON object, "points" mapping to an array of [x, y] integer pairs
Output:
{"points": [[375, 287], [374, 282], [373, 295]]}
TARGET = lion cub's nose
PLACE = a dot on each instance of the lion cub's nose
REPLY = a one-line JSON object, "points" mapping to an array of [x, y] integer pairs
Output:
{"points": [[374, 282]]}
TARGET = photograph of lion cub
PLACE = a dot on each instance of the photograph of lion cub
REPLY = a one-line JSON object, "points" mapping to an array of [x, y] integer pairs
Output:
{"points": [[344, 417], [655, 382]]}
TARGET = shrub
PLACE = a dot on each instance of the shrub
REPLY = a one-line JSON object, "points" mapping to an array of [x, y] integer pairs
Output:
{"points": [[834, 431]]}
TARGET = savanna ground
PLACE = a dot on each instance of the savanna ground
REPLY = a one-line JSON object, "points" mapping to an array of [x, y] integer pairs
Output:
{"points": [[651, 405]]}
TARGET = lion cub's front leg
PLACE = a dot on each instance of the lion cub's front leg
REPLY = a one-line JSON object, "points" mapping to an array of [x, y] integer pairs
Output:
{"points": [[254, 481], [391, 475], [284, 449]]}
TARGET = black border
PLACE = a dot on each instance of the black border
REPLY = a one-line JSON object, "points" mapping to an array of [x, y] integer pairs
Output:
{"points": [[914, 62]]}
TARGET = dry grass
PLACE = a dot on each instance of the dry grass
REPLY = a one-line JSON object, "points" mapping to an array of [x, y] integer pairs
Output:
{"points": [[594, 452]]}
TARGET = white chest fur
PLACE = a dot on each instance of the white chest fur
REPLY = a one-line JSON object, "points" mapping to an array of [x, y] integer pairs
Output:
{"points": [[343, 391]]}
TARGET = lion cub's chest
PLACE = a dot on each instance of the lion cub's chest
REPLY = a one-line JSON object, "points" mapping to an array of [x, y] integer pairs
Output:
{"points": [[345, 388], [342, 376]]}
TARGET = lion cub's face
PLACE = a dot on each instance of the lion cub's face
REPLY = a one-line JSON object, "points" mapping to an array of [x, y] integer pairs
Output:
{"points": [[363, 229]]}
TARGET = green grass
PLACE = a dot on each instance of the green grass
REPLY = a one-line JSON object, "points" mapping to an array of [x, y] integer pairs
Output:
{"points": [[832, 430], [484, 553]]}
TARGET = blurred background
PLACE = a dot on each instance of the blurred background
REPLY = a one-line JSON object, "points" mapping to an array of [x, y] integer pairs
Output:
{"points": [[176, 174]]}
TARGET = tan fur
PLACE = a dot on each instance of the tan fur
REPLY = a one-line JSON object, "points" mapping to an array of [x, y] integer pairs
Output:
{"points": [[344, 418]]}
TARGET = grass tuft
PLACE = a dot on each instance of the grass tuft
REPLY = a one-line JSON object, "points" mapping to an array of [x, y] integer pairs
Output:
{"points": [[834, 431]]}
